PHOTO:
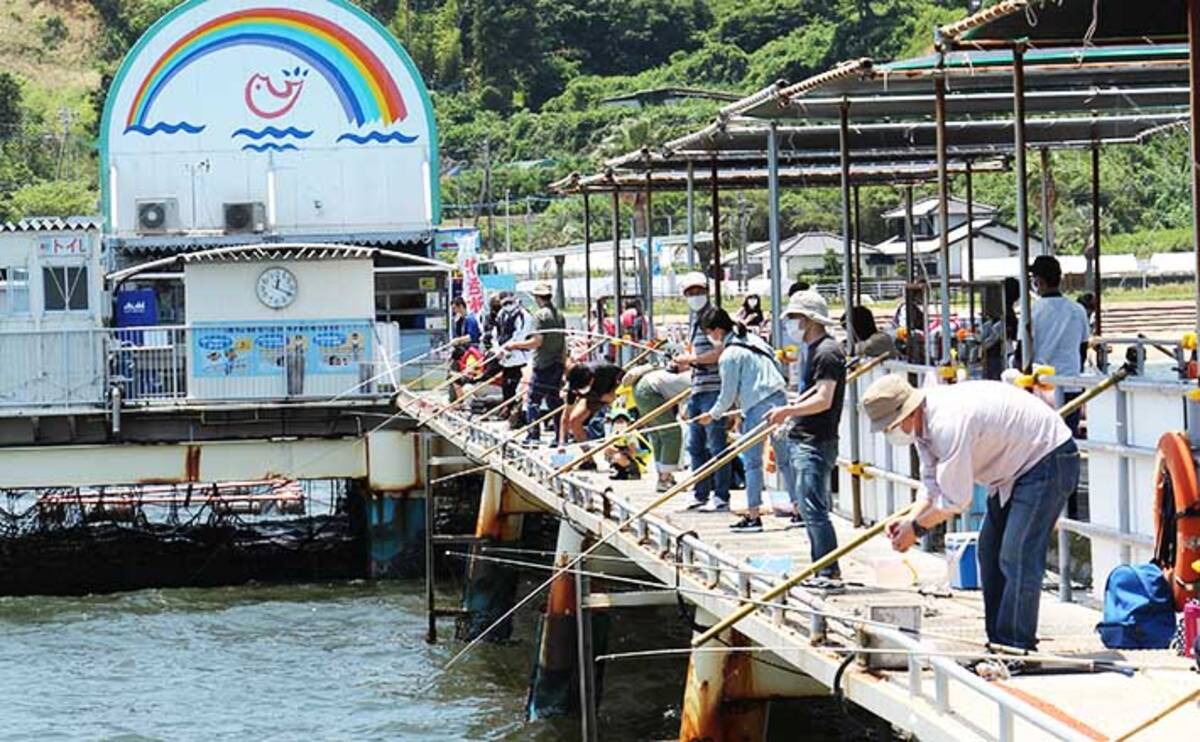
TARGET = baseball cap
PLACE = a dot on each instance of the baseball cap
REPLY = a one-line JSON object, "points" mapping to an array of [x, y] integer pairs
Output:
{"points": [[692, 280], [1047, 267]]}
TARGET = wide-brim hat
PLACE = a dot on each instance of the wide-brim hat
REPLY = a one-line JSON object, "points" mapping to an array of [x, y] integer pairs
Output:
{"points": [[889, 400], [811, 305], [542, 289]]}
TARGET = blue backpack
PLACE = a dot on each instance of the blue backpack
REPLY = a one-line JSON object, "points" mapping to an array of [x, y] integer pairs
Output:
{"points": [[1139, 611]]}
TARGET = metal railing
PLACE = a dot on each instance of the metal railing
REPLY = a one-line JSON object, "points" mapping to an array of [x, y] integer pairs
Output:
{"points": [[726, 573], [51, 369]]}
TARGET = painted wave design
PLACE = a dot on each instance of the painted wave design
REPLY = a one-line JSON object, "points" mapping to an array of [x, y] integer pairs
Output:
{"points": [[271, 131], [163, 127], [271, 147], [378, 138]]}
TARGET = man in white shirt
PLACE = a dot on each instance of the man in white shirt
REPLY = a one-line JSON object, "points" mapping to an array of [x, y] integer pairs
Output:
{"points": [[1010, 442], [1060, 327]]}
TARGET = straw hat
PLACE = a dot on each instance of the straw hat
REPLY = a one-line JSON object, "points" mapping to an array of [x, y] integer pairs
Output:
{"points": [[542, 288]]}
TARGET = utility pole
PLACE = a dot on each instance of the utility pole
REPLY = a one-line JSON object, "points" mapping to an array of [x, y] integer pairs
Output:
{"points": [[487, 194], [742, 238], [66, 117], [508, 220]]}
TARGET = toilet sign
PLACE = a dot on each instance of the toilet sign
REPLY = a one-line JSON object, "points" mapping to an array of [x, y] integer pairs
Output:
{"points": [[69, 246]]}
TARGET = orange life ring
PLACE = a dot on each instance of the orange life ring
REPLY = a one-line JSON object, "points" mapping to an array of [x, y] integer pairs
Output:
{"points": [[1177, 516]]}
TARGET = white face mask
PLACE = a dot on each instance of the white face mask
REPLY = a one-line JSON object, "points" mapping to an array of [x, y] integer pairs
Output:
{"points": [[794, 328], [584, 391], [898, 437], [716, 343], [696, 303]]}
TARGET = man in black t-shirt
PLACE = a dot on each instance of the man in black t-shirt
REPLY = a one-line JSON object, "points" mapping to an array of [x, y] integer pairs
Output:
{"points": [[812, 443]]}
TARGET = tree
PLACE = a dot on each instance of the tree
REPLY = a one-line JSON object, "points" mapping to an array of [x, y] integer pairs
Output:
{"points": [[10, 106], [52, 198]]}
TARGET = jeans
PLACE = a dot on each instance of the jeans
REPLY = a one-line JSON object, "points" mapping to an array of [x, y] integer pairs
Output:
{"points": [[511, 382], [706, 442], [1013, 542], [812, 465], [752, 458], [545, 386]]}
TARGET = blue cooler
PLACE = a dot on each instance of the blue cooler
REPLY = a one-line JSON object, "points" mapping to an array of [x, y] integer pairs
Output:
{"points": [[962, 560]]}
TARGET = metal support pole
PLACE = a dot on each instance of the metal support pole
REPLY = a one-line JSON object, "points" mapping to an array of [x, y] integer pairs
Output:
{"points": [[616, 246], [691, 215], [773, 236], [1096, 284], [855, 454], [910, 307], [430, 587], [587, 259], [560, 265], [1020, 170], [716, 234], [649, 257], [971, 247], [943, 186], [1193, 20], [587, 664], [858, 251], [1047, 215]]}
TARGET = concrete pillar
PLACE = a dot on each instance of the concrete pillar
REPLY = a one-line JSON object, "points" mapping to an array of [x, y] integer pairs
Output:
{"points": [[553, 685], [727, 696], [491, 588], [395, 534]]}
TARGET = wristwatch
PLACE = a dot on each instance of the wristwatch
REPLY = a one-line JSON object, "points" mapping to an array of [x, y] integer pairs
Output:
{"points": [[919, 530]]}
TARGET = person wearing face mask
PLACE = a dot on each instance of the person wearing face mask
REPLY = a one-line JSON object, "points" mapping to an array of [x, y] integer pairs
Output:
{"points": [[1010, 442], [704, 442], [751, 381], [751, 313], [812, 442], [549, 347]]}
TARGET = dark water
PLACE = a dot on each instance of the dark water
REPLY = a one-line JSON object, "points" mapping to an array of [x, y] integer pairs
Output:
{"points": [[338, 661], [273, 662]]}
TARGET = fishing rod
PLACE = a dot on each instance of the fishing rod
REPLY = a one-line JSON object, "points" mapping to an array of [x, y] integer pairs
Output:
{"points": [[750, 438], [847, 620], [390, 369], [515, 397], [525, 429], [633, 427], [479, 387]]}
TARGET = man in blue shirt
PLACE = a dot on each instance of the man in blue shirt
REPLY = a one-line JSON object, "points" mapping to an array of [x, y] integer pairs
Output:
{"points": [[466, 327]]}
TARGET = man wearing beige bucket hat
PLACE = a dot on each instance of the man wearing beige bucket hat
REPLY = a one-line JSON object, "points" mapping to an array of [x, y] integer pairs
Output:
{"points": [[1010, 442], [808, 455]]}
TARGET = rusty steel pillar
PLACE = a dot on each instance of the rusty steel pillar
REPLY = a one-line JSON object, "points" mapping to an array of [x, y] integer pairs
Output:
{"points": [[490, 589], [553, 685], [728, 694]]}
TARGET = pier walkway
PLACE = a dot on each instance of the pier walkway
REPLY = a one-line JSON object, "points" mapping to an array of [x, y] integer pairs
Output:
{"points": [[929, 693]]}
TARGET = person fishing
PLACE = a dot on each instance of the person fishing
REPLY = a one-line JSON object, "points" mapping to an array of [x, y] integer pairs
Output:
{"points": [[548, 343], [751, 380], [1007, 440], [705, 441], [512, 323], [811, 444], [591, 388], [652, 389]]}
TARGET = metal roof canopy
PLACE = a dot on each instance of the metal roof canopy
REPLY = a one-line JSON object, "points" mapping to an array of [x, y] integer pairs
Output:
{"points": [[1128, 77], [275, 252], [1043, 22], [878, 173], [747, 141]]}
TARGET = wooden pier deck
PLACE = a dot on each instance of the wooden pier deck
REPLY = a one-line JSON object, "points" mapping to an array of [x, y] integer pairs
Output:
{"points": [[930, 695]]}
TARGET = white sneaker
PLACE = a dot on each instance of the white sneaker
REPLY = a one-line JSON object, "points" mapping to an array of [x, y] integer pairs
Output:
{"points": [[715, 505]]}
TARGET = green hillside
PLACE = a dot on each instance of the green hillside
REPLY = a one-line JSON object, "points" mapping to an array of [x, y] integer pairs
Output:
{"points": [[519, 88]]}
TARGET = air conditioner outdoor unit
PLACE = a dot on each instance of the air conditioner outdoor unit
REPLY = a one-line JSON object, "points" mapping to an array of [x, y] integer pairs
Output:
{"points": [[246, 217], [157, 215]]}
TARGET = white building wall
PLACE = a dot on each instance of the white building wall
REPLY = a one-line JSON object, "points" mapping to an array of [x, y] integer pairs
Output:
{"points": [[327, 290]]}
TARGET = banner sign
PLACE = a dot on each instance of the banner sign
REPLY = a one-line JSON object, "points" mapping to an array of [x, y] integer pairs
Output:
{"points": [[266, 348], [468, 262]]}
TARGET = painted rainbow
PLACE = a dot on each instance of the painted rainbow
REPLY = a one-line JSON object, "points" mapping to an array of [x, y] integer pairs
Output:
{"points": [[364, 86]]}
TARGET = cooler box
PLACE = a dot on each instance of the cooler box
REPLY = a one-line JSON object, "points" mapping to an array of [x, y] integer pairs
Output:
{"points": [[962, 560]]}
